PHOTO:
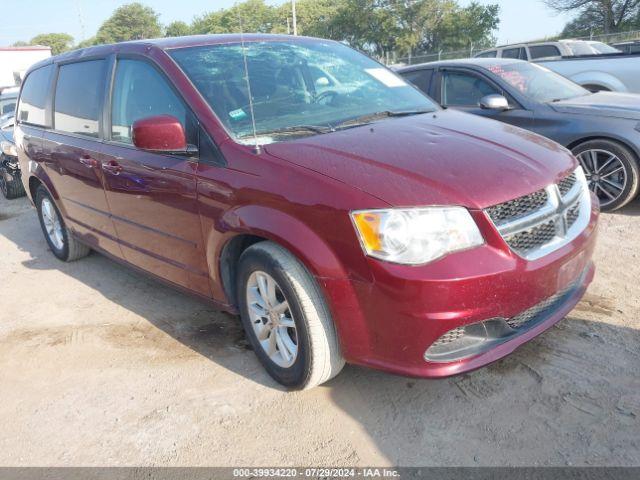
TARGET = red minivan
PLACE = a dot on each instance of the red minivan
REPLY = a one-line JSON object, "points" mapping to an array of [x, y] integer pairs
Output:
{"points": [[297, 182]]}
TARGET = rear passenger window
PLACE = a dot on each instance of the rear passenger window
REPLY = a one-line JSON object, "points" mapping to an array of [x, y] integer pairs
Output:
{"points": [[140, 91], [78, 97], [511, 53], [543, 51], [489, 54], [420, 78], [31, 109]]}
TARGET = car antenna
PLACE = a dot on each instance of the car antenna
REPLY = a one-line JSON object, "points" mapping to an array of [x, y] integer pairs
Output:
{"points": [[256, 147]]}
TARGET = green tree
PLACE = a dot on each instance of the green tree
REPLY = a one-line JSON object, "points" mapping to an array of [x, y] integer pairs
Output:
{"points": [[88, 42], [603, 16], [177, 29], [130, 22], [59, 42], [20, 43], [406, 27], [314, 17], [254, 15]]}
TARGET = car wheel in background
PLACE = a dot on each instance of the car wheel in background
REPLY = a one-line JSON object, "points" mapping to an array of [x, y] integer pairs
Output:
{"points": [[10, 185], [61, 242], [285, 318], [611, 170], [596, 88]]}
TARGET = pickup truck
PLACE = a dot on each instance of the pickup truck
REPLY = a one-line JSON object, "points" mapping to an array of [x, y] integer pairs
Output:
{"points": [[594, 65], [614, 72]]}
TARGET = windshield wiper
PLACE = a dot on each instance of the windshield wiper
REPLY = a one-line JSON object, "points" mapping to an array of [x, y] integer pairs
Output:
{"points": [[372, 117], [295, 130]]}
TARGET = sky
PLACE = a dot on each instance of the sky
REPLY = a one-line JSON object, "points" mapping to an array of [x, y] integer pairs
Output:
{"points": [[520, 20]]}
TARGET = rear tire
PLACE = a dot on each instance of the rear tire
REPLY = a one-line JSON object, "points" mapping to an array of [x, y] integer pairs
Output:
{"points": [[596, 88], [10, 185], [63, 245], [615, 176], [313, 353]]}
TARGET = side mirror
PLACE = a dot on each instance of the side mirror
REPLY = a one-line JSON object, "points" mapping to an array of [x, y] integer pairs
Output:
{"points": [[160, 133], [494, 102]]}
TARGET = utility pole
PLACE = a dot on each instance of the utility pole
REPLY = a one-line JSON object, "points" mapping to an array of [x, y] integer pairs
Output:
{"points": [[80, 19], [295, 20]]}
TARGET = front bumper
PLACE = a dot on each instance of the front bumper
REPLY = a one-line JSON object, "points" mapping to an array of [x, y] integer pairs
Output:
{"points": [[409, 308]]}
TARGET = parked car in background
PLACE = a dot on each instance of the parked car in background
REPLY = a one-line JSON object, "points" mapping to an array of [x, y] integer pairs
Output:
{"points": [[628, 47], [594, 65], [362, 224], [14, 62], [617, 72], [10, 179], [8, 99], [540, 50], [601, 129]]}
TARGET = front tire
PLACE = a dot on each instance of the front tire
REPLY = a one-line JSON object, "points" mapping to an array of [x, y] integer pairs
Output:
{"points": [[10, 184], [63, 245], [286, 319], [612, 172]]}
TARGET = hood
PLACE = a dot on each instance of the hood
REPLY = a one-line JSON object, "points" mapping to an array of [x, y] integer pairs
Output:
{"points": [[602, 104], [444, 158]]}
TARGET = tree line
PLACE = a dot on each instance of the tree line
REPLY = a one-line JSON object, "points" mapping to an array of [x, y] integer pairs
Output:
{"points": [[406, 27], [377, 26]]}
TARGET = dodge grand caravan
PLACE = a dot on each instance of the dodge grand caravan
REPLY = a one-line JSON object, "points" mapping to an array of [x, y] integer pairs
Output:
{"points": [[299, 183]]}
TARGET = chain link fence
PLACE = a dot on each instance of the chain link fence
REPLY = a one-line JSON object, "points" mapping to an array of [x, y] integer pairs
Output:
{"points": [[615, 37], [393, 59]]}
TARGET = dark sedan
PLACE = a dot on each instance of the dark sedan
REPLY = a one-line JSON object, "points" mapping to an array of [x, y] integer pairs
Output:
{"points": [[601, 129], [10, 181]]}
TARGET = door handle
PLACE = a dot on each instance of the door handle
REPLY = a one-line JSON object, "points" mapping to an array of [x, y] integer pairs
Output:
{"points": [[87, 161], [112, 167]]}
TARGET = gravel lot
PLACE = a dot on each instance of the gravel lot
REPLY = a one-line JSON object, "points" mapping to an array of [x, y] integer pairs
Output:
{"points": [[102, 366]]}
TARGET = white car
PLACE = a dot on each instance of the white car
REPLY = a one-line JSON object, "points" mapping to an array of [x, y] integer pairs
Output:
{"points": [[544, 50]]}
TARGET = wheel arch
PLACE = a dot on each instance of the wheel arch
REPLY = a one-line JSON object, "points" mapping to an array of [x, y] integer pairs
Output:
{"points": [[623, 142], [601, 80], [39, 177], [250, 224]]}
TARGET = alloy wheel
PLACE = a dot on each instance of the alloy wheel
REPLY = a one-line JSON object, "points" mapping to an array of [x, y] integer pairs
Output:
{"points": [[272, 319], [52, 224], [606, 174]]}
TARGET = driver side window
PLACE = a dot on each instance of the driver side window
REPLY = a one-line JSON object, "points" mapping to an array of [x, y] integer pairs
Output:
{"points": [[140, 91], [461, 89]]}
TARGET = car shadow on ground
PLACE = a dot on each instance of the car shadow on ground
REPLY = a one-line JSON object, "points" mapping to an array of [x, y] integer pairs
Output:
{"points": [[572, 392], [215, 335], [632, 209], [568, 397]]}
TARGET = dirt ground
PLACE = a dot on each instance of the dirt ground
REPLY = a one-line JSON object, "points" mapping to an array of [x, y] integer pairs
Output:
{"points": [[102, 366]]}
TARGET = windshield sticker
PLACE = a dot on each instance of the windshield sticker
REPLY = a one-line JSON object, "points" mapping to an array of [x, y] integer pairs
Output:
{"points": [[385, 77], [238, 114], [255, 141]]}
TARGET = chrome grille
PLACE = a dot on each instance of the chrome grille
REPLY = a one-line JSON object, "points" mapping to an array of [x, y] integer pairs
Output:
{"points": [[529, 240], [573, 214], [518, 207], [566, 184], [536, 224]]}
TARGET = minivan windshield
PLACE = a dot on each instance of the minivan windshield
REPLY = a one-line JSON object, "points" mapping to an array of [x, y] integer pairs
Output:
{"points": [[297, 88], [537, 83]]}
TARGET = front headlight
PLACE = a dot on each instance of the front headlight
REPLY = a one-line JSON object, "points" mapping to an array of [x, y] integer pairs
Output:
{"points": [[416, 236], [8, 148]]}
